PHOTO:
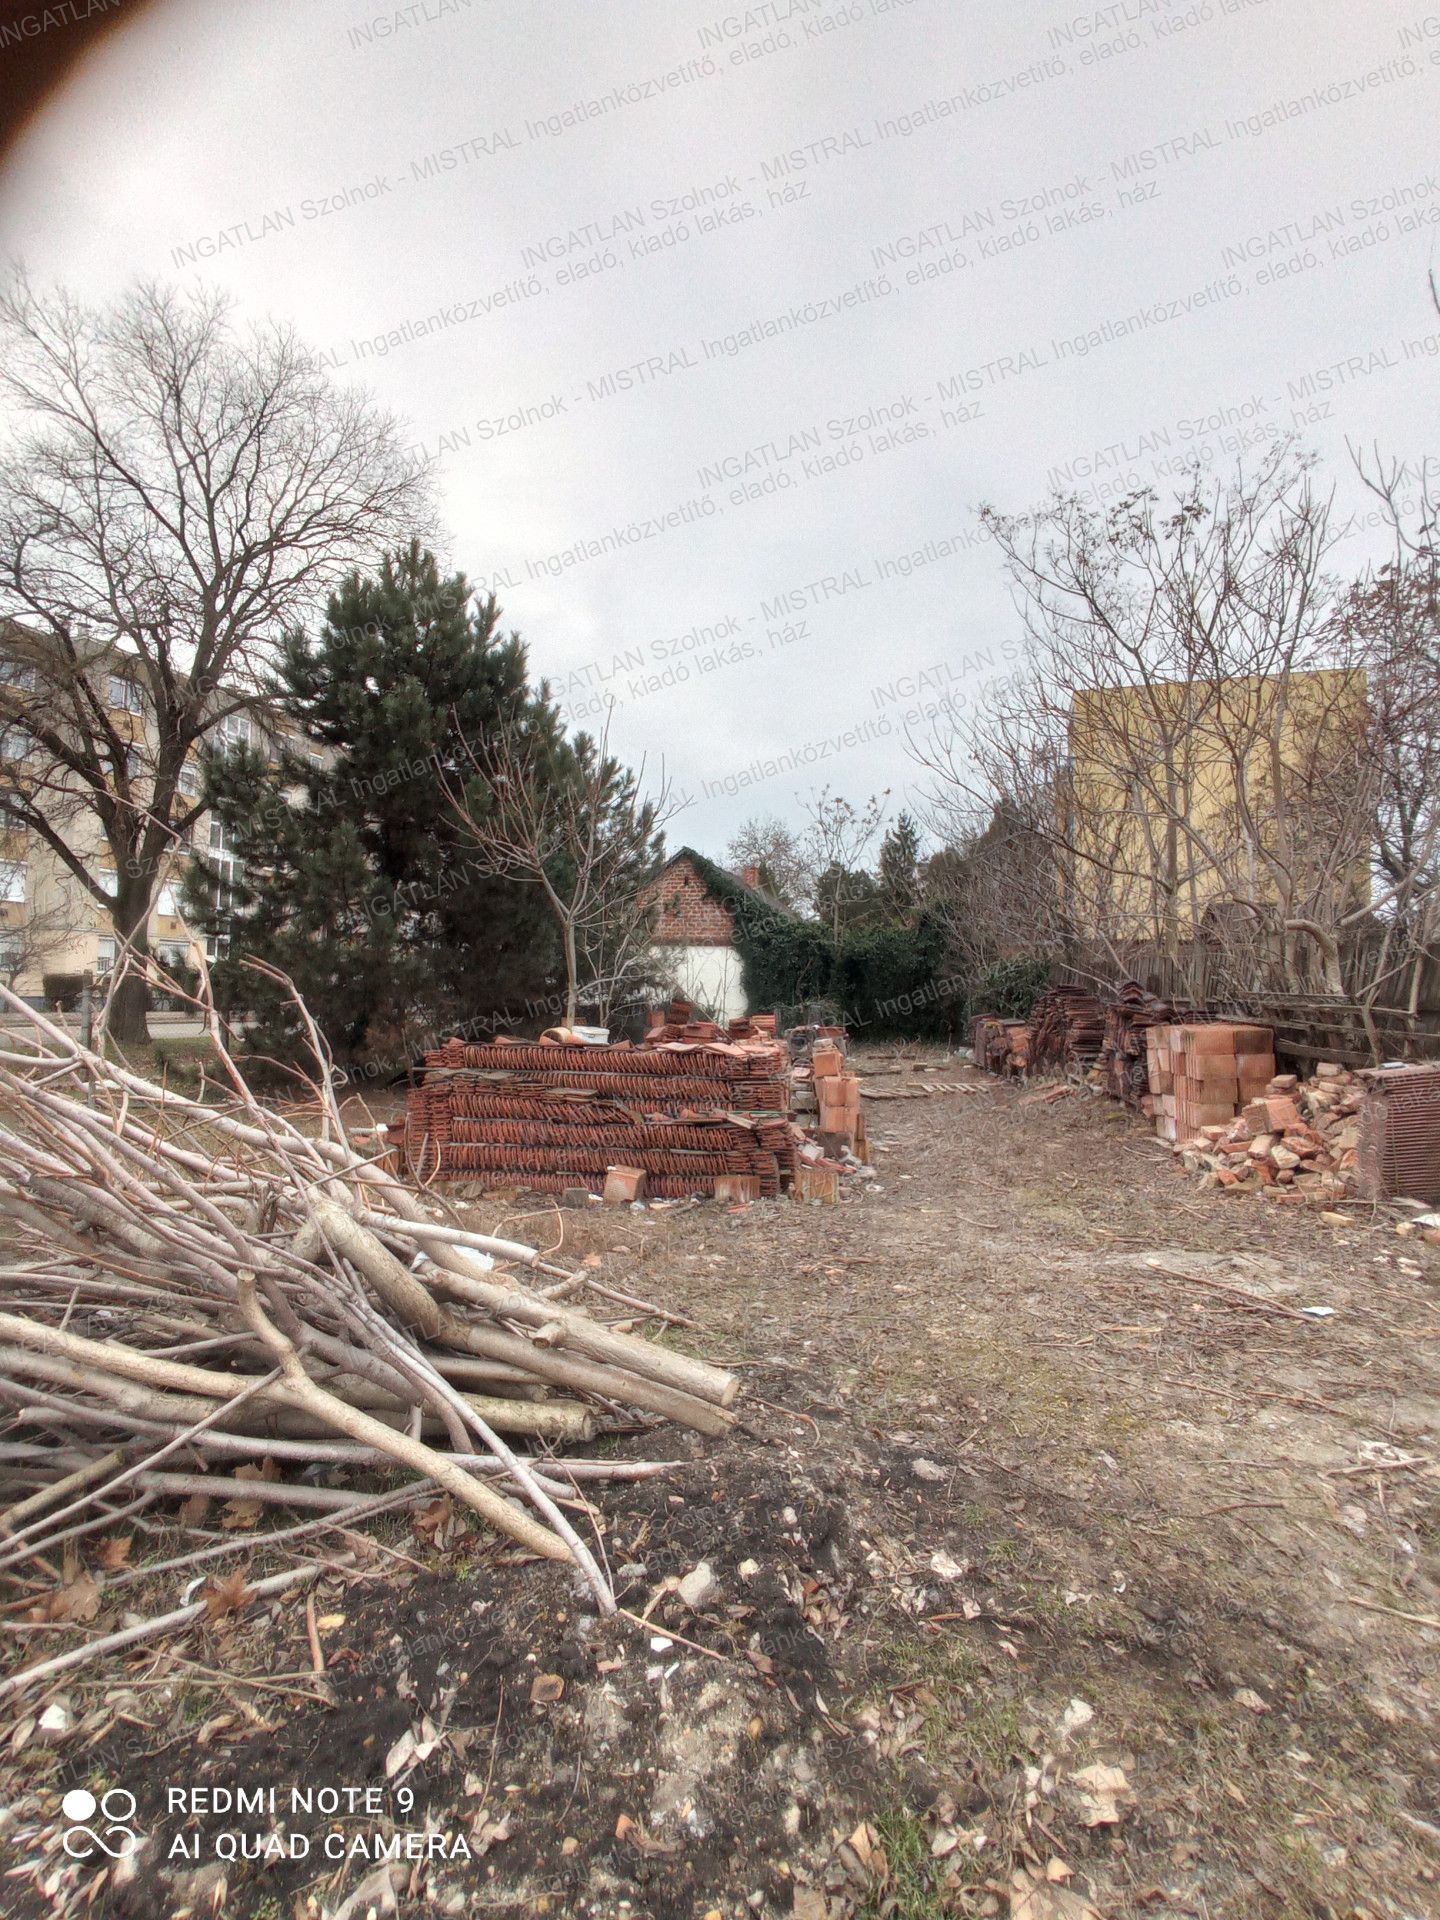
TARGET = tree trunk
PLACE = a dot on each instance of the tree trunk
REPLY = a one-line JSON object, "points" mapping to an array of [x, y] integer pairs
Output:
{"points": [[130, 1002], [572, 976]]}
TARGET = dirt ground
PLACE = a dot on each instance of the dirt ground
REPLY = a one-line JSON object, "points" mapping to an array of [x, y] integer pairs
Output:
{"points": [[1064, 1564]]}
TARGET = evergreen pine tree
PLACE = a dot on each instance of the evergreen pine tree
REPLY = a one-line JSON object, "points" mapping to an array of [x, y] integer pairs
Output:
{"points": [[353, 877], [899, 869]]}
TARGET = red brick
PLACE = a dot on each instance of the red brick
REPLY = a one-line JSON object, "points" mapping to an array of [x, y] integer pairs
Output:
{"points": [[622, 1185]]}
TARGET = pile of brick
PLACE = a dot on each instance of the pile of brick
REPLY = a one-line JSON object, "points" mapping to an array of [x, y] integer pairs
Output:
{"points": [[689, 1117], [1294, 1139], [1201, 1075], [837, 1097]]}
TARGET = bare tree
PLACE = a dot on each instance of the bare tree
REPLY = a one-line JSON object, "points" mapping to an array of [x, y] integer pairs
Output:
{"points": [[1409, 496], [836, 843], [172, 496], [1393, 632], [764, 841], [1190, 736], [571, 820]]}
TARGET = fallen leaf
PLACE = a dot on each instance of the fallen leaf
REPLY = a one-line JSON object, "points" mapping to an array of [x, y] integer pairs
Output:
{"points": [[545, 1688], [431, 1521], [223, 1596], [809, 1904], [569, 1845], [862, 1845], [114, 1551], [1097, 1792], [240, 1513], [194, 1509], [79, 1601], [947, 1566], [1032, 1898], [485, 1834]]}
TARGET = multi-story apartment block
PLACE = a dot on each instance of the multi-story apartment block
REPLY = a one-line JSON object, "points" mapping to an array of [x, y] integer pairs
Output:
{"points": [[52, 928]]}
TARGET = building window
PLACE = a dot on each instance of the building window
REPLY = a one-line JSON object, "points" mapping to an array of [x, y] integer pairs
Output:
{"points": [[165, 901], [172, 954], [16, 743], [134, 762], [126, 694], [12, 955], [234, 730], [19, 673], [12, 882], [228, 866], [104, 955], [189, 780], [109, 881]]}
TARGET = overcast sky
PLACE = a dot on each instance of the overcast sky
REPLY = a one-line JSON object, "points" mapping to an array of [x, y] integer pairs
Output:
{"points": [[768, 302]]}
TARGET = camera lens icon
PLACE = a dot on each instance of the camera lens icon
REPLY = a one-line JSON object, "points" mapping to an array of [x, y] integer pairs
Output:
{"points": [[115, 1807]]}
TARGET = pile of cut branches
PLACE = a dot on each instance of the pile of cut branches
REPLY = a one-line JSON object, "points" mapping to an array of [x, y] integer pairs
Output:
{"points": [[191, 1288]]}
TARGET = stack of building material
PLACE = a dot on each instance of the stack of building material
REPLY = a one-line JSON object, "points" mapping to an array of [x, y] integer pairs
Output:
{"points": [[837, 1094], [1067, 1026], [554, 1117], [1200, 1076], [1123, 1068], [1000, 1046], [1399, 1133]]}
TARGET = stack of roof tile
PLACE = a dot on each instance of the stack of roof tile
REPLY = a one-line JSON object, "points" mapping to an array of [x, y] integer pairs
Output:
{"points": [[1123, 1068], [551, 1117], [1000, 1046], [1067, 1026]]}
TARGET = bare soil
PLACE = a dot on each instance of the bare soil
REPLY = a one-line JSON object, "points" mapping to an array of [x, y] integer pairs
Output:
{"points": [[1043, 1467]]}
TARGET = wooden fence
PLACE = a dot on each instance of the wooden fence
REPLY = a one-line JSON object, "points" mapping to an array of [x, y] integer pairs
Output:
{"points": [[1309, 1025]]}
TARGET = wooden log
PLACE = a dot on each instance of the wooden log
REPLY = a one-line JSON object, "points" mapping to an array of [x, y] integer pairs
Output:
{"points": [[416, 1305], [503, 1514]]}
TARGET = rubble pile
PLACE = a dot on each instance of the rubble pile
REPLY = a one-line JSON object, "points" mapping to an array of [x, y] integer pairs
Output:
{"points": [[683, 1113], [1293, 1139]]}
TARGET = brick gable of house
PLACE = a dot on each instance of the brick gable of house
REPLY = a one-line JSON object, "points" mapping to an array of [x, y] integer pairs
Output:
{"points": [[689, 915]]}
